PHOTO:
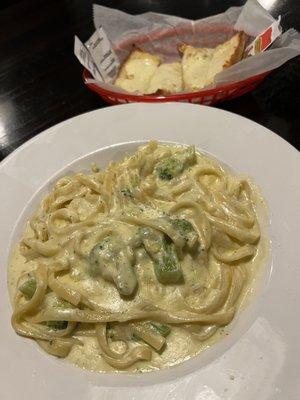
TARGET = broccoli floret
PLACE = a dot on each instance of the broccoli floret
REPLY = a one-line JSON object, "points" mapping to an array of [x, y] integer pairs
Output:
{"points": [[111, 259], [183, 226], [189, 156], [162, 329], [59, 303], [28, 288], [163, 252], [186, 230], [57, 325], [167, 266], [110, 331], [171, 167], [100, 251]]}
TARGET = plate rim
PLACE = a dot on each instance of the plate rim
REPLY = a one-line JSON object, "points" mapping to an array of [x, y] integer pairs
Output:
{"points": [[108, 107]]}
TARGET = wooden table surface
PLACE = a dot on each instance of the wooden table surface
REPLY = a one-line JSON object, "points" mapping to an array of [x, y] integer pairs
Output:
{"points": [[41, 80]]}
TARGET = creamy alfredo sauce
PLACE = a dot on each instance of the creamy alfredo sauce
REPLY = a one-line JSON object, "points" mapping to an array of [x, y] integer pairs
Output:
{"points": [[147, 187]]}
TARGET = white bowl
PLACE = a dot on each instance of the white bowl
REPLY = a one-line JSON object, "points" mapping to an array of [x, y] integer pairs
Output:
{"points": [[259, 356]]}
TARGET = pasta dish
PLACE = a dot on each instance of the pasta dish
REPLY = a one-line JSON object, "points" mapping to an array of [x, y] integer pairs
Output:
{"points": [[140, 266]]}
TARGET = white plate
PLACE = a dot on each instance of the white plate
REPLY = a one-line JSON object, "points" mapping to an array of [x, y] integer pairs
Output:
{"points": [[259, 363]]}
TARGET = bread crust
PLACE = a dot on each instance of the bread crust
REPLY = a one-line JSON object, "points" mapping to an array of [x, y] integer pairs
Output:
{"points": [[239, 51]]}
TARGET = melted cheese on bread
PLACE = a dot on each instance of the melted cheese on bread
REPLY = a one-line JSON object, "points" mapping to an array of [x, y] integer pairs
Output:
{"points": [[167, 79], [201, 65], [137, 70], [143, 73], [195, 65]]}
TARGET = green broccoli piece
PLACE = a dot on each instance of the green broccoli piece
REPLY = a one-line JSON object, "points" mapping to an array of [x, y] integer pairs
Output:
{"points": [[111, 259], [110, 331], [189, 156], [28, 288], [163, 253], [186, 230], [183, 226], [171, 167], [162, 329], [167, 267], [57, 325]]}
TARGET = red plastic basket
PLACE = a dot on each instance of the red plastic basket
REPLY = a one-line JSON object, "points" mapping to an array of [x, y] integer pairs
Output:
{"points": [[208, 97]]}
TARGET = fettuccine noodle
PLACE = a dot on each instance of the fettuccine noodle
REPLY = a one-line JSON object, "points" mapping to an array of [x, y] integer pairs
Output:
{"points": [[140, 266]]}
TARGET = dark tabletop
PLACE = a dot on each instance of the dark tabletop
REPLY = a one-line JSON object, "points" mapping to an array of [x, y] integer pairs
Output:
{"points": [[41, 80]]}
